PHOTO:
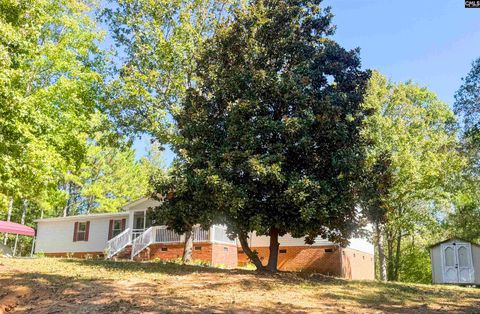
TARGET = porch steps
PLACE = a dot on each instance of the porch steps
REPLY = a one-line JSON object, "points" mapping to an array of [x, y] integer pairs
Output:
{"points": [[126, 252]]}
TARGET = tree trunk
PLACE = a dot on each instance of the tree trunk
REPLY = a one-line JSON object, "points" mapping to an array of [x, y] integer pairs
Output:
{"points": [[397, 256], [273, 256], [382, 267], [389, 239], [188, 247], [242, 237], [24, 212], [67, 205], [9, 216]]}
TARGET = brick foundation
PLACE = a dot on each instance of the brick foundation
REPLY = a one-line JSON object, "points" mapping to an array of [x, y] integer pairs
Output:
{"points": [[224, 254], [327, 260], [215, 254], [77, 254], [357, 265]]}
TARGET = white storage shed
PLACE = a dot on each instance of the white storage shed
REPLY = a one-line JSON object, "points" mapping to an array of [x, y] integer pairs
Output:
{"points": [[455, 261]]}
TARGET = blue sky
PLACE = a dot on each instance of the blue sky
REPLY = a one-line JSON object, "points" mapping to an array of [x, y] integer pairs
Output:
{"points": [[429, 42]]}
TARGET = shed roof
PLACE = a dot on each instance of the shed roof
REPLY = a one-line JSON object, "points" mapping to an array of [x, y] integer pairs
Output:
{"points": [[450, 239]]}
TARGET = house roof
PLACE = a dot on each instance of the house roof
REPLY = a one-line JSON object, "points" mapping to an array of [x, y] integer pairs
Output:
{"points": [[142, 200], [450, 239], [123, 213], [84, 217]]}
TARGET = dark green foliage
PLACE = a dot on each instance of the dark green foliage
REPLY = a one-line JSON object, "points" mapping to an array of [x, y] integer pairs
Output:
{"points": [[376, 188], [467, 102], [186, 204], [270, 134], [463, 222]]}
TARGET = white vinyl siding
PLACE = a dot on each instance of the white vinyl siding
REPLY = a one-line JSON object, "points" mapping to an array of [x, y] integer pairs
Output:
{"points": [[56, 236], [361, 245]]}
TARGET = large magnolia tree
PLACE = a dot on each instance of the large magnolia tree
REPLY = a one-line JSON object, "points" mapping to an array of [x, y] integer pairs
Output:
{"points": [[271, 131]]}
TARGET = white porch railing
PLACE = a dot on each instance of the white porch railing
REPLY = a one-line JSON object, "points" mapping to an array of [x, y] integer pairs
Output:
{"points": [[117, 243], [161, 234], [164, 235], [220, 235], [142, 241], [136, 233], [200, 235]]}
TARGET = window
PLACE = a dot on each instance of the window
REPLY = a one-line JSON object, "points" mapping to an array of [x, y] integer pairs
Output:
{"points": [[198, 248], [81, 231], [116, 228], [328, 250], [164, 249], [283, 251], [225, 249]]}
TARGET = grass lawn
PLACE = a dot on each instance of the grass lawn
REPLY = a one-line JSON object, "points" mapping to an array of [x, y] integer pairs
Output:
{"points": [[49, 285]]}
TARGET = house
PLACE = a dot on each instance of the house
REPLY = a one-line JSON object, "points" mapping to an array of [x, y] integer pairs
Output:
{"points": [[353, 262], [130, 234], [455, 261]]}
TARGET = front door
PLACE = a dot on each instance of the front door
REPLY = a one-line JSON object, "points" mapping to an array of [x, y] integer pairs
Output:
{"points": [[457, 263]]}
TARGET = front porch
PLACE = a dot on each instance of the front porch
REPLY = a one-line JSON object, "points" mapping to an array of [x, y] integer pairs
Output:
{"points": [[157, 240]]}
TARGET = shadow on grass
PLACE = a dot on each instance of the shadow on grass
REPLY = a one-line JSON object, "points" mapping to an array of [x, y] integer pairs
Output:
{"points": [[160, 267], [50, 293], [408, 298], [75, 293]]}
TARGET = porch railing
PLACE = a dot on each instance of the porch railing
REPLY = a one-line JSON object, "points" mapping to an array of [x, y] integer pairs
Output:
{"points": [[164, 235], [161, 234], [117, 243], [220, 235], [142, 241], [200, 235]]}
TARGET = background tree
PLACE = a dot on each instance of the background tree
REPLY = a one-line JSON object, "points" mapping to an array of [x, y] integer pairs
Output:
{"points": [[271, 129], [51, 91], [417, 131], [374, 202], [461, 222], [156, 43], [50, 77]]}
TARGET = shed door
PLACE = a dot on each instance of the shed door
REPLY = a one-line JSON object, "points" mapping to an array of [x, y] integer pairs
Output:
{"points": [[449, 261], [465, 265], [457, 263]]}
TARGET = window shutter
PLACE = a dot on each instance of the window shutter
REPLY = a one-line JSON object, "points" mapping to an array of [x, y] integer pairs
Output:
{"points": [[75, 228], [124, 222], [87, 230], [110, 229]]}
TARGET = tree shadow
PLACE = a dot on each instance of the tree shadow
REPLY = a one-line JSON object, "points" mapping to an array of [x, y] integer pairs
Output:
{"points": [[209, 290], [159, 267], [404, 298], [50, 293]]}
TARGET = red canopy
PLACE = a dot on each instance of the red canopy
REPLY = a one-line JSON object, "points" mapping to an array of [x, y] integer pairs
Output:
{"points": [[12, 227]]}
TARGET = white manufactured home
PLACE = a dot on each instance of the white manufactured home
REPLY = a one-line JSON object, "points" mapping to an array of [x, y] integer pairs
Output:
{"points": [[455, 261], [129, 234], [126, 234]]}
